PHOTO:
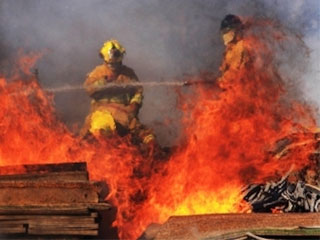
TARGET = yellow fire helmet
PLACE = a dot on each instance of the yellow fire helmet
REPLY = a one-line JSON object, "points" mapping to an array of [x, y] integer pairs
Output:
{"points": [[112, 51]]}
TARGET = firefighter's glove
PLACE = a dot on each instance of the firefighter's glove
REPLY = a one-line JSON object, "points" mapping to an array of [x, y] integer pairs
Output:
{"points": [[133, 110]]}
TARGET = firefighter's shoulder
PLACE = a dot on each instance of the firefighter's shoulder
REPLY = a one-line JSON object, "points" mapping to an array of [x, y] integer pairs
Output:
{"points": [[128, 72], [98, 71]]}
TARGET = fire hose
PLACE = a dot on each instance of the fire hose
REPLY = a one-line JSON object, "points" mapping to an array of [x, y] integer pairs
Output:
{"points": [[115, 86]]}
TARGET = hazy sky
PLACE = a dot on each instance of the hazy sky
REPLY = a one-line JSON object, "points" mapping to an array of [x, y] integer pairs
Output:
{"points": [[165, 40]]}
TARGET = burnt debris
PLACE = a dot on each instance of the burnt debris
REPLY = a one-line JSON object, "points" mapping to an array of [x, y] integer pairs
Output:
{"points": [[283, 196]]}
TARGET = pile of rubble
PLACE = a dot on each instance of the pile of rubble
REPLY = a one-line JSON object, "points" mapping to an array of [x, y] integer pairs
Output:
{"points": [[283, 196], [298, 191]]}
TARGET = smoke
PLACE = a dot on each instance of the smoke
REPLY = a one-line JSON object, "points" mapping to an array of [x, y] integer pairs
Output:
{"points": [[165, 40]]}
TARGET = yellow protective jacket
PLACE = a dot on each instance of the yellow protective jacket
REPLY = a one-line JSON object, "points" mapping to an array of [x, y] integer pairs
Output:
{"points": [[103, 75], [236, 57], [113, 103]]}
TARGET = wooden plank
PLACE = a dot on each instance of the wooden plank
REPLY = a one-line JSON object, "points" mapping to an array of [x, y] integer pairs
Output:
{"points": [[209, 226], [99, 206], [50, 184], [72, 232], [43, 237], [48, 223], [296, 232], [9, 224], [58, 218], [60, 176], [43, 168], [54, 209], [16, 196], [287, 232], [91, 230], [75, 220], [41, 192], [95, 214], [18, 229], [71, 226], [44, 210]]}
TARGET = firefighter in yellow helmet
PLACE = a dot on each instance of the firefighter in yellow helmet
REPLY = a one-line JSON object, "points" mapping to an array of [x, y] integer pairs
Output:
{"points": [[115, 103]]}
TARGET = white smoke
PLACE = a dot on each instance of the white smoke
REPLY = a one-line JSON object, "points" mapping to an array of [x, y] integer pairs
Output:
{"points": [[165, 40]]}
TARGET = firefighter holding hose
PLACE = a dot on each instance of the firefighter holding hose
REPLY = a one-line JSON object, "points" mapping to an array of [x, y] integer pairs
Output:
{"points": [[115, 98], [236, 55]]}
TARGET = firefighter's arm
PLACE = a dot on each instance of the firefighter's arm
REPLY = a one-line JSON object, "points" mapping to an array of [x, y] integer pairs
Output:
{"points": [[93, 87], [136, 99], [135, 102], [95, 82]]}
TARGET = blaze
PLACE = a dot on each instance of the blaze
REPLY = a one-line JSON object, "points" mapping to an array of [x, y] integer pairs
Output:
{"points": [[229, 141]]}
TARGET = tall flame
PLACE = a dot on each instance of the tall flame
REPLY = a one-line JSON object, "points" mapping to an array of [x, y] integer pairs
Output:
{"points": [[229, 137]]}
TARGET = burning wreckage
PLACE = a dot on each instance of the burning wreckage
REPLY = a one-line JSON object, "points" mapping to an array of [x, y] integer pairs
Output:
{"points": [[229, 134], [283, 196], [294, 192]]}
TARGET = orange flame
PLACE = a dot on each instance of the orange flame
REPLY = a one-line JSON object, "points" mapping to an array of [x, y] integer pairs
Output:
{"points": [[228, 142]]}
